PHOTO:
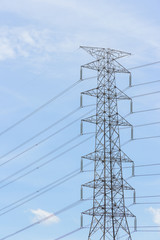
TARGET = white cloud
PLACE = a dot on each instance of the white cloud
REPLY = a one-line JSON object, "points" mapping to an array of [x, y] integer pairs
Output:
{"points": [[6, 50], [156, 215], [25, 42], [74, 23], [33, 44], [40, 214]]}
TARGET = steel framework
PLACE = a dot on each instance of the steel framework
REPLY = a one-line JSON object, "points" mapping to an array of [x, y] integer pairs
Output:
{"points": [[109, 213]]}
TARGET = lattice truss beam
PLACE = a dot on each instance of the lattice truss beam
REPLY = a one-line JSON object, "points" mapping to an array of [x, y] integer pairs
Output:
{"points": [[108, 212]]}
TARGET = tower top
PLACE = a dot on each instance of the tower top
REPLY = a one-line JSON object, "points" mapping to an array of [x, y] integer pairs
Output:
{"points": [[98, 52]]}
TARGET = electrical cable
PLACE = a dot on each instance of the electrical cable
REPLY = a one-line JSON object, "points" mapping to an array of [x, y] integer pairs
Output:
{"points": [[39, 133], [41, 191], [142, 125], [38, 193], [33, 163], [146, 227], [146, 124], [39, 108], [147, 175], [148, 231], [43, 140], [144, 65], [42, 220], [146, 110], [145, 83], [145, 94], [147, 196], [141, 138], [48, 161], [145, 203], [147, 165], [70, 233]]}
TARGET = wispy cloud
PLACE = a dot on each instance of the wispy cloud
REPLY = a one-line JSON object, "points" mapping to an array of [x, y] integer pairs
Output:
{"points": [[24, 42], [156, 214], [40, 214], [72, 23]]}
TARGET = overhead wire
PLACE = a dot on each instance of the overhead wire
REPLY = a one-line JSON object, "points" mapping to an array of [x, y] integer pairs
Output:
{"points": [[146, 124], [144, 65], [148, 231], [40, 133], [144, 94], [146, 110], [145, 83], [33, 163], [39, 192], [39, 108], [48, 161], [68, 234], [145, 196], [147, 175], [142, 125], [43, 140], [42, 220], [143, 138], [147, 165], [145, 203]]}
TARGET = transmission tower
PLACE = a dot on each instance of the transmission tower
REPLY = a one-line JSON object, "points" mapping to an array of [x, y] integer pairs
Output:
{"points": [[109, 215]]}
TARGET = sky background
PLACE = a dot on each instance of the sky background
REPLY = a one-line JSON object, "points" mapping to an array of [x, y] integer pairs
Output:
{"points": [[39, 58]]}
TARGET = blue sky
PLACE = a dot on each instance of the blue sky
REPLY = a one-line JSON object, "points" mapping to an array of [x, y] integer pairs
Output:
{"points": [[40, 57]]}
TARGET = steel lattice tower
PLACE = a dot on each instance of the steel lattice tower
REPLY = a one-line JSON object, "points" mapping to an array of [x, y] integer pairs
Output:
{"points": [[109, 213]]}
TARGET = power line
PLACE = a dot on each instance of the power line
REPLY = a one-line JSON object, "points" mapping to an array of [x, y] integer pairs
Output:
{"points": [[147, 175], [150, 137], [36, 168], [39, 108], [48, 161], [147, 226], [39, 133], [146, 110], [148, 231], [43, 140], [145, 203], [39, 192], [142, 125], [145, 94], [147, 165], [146, 124], [145, 83], [40, 159], [147, 196], [42, 220], [144, 65], [70, 233]]}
